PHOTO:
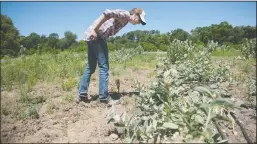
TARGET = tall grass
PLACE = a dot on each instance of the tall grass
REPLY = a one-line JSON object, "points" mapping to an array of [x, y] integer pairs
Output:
{"points": [[64, 67], [47, 67], [227, 53]]}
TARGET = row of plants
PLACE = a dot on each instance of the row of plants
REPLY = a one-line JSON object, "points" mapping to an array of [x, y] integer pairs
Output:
{"points": [[184, 102]]}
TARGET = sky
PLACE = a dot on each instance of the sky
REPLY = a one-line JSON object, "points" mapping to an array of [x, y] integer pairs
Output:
{"points": [[58, 17]]}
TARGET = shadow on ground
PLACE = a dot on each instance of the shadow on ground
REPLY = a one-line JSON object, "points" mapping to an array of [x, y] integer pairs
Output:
{"points": [[116, 95]]}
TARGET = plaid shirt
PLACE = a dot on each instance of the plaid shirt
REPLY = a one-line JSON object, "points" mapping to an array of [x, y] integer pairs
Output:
{"points": [[117, 19]]}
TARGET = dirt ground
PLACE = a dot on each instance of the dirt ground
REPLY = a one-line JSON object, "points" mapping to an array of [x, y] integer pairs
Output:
{"points": [[65, 121], [246, 116]]}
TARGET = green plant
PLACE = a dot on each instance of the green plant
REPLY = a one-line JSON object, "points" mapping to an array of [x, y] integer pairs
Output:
{"points": [[4, 110], [124, 55], [51, 107], [183, 101], [32, 112], [69, 84], [248, 48], [179, 50], [24, 96], [251, 87], [246, 67], [68, 98]]}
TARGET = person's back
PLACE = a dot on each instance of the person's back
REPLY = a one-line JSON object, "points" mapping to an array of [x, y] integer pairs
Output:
{"points": [[116, 18], [96, 36]]}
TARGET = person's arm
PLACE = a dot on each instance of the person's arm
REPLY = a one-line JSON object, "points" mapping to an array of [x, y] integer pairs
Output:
{"points": [[97, 24], [107, 14], [101, 20]]}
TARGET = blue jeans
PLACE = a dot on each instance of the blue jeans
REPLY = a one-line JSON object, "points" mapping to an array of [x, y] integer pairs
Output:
{"points": [[97, 52]]}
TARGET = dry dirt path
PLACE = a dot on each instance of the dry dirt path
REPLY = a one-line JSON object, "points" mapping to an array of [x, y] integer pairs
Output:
{"points": [[67, 122]]}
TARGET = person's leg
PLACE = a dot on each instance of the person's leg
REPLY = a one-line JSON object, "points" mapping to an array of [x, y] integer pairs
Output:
{"points": [[89, 70], [103, 63]]}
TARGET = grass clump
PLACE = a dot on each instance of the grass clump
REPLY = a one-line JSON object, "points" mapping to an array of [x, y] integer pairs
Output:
{"points": [[69, 84], [68, 98]]}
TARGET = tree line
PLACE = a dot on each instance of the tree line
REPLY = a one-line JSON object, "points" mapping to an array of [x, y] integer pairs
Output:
{"points": [[13, 44]]}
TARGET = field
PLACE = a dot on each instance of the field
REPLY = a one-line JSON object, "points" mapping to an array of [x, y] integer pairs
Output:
{"points": [[187, 94]]}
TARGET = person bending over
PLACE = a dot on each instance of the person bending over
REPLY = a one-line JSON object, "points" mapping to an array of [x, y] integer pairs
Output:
{"points": [[96, 36]]}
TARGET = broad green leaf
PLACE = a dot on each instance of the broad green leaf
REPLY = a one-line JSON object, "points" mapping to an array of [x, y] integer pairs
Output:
{"points": [[128, 140], [199, 119], [220, 117], [170, 125], [223, 102], [203, 106], [148, 129], [154, 123], [223, 141], [216, 137], [128, 122], [110, 120], [145, 118], [123, 117], [202, 89], [163, 101]]}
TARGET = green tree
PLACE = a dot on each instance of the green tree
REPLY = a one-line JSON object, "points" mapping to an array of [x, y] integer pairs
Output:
{"points": [[70, 39], [53, 40], [149, 47], [250, 32], [179, 34], [62, 44], [9, 37], [34, 39]]}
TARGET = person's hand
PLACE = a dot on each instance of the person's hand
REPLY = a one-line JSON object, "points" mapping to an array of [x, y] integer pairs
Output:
{"points": [[93, 35]]}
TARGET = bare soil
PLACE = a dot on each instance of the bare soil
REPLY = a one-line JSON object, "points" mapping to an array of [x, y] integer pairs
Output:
{"points": [[67, 122], [246, 116]]}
